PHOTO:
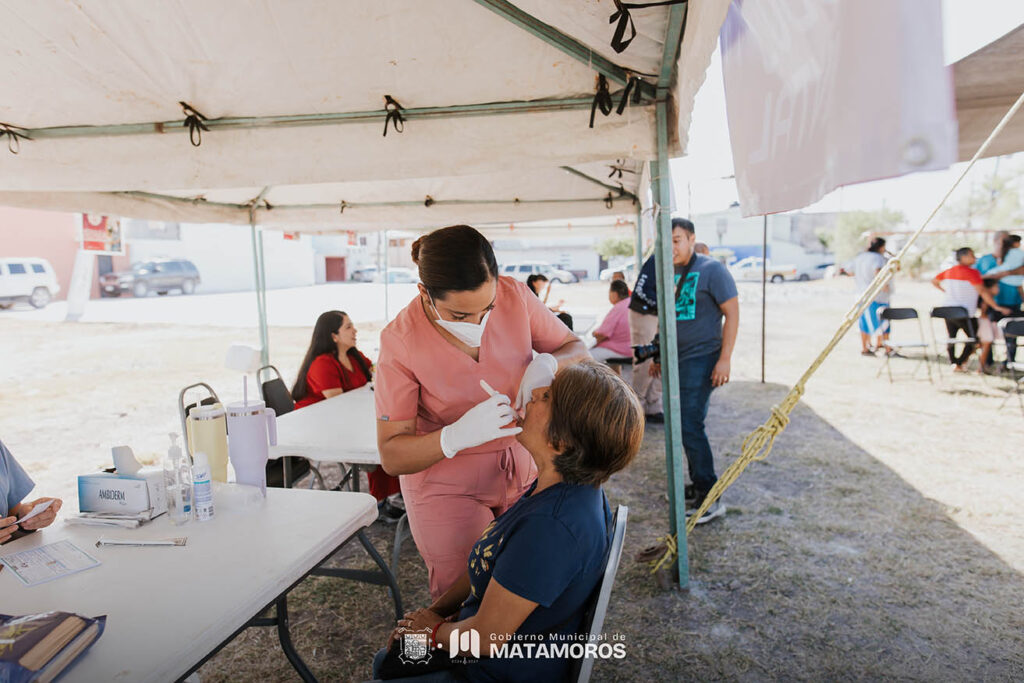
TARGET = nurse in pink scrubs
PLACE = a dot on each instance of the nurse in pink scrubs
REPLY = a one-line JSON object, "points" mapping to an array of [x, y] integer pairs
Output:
{"points": [[469, 333]]}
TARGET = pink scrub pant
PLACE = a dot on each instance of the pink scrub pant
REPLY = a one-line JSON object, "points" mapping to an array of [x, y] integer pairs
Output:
{"points": [[452, 502]]}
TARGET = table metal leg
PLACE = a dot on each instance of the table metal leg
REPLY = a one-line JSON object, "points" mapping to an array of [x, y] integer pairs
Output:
{"points": [[400, 536], [384, 577], [285, 636]]}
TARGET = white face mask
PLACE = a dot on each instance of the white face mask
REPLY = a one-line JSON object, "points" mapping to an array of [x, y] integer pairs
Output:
{"points": [[469, 334]]}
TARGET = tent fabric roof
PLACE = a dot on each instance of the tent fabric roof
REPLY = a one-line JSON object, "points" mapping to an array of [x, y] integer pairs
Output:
{"points": [[71, 68], [987, 83]]}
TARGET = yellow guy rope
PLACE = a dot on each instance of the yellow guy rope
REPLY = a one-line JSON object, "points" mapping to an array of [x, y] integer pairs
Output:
{"points": [[758, 443]]}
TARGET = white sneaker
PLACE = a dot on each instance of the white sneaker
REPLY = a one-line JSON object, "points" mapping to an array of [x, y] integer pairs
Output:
{"points": [[717, 509]]}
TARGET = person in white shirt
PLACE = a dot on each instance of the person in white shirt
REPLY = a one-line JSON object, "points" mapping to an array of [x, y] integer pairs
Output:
{"points": [[872, 327]]}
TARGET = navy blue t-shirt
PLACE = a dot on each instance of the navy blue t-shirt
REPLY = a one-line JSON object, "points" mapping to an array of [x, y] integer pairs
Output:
{"points": [[698, 316], [548, 548]]}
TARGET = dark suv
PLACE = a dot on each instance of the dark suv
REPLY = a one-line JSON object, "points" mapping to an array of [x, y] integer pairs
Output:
{"points": [[158, 275]]}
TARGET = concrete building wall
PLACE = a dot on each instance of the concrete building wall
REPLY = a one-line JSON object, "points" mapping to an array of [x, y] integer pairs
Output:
{"points": [[42, 234], [223, 255]]}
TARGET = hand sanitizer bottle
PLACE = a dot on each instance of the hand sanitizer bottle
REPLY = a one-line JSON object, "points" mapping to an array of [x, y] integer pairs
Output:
{"points": [[203, 487], [178, 478]]}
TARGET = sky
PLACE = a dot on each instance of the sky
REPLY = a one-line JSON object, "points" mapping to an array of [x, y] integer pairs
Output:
{"points": [[968, 25]]}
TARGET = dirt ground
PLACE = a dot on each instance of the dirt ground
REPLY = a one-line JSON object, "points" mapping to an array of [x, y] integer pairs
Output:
{"points": [[882, 538]]}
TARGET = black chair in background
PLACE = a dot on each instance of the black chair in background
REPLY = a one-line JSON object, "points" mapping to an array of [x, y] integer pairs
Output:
{"points": [[275, 394], [951, 315], [893, 314], [1014, 327]]}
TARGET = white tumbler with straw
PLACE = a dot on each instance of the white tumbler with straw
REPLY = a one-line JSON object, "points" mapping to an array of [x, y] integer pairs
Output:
{"points": [[252, 426], [252, 429]]}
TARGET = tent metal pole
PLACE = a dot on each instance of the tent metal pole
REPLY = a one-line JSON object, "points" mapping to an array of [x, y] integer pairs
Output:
{"points": [[372, 116], [566, 44], [660, 174], [256, 276], [666, 299], [387, 257], [264, 331], [764, 288], [638, 247], [612, 188]]}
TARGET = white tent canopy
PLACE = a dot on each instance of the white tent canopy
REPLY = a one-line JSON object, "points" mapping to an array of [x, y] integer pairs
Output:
{"points": [[496, 99]]}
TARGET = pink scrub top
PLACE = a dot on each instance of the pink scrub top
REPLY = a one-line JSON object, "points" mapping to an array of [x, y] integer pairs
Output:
{"points": [[421, 375]]}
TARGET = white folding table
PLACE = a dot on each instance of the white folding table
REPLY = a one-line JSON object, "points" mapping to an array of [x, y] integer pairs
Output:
{"points": [[341, 429], [169, 609]]}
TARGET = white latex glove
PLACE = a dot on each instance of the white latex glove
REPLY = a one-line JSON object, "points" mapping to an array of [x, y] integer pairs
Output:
{"points": [[539, 373], [480, 424]]}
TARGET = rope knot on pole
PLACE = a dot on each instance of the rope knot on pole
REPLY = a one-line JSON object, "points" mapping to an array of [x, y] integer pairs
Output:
{"points": [[602, 99], [194, 121], [14, 136], [393, 115]]}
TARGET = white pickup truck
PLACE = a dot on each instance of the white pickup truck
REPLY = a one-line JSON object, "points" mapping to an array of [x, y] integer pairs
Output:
{"points": [[749, 269], [27, 279]]}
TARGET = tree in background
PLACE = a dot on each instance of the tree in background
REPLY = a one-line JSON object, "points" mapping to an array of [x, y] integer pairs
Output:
{"points": [[615, 246], [854, 229], [992, 203]]}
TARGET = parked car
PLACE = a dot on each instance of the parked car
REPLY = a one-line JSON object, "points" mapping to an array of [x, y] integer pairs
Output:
{"points": [[157, 275], [817, 272], [750, 269], [27, 279], [629, 270], [364, 274], [398, 276], [521, 271]]}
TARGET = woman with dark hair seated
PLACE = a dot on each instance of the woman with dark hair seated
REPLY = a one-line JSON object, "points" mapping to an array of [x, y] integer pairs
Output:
{"points": [[535, 566], [333, 365], [539, 282]]}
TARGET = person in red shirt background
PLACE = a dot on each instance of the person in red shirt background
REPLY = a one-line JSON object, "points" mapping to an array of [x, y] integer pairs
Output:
{"points": [[333, 365]]}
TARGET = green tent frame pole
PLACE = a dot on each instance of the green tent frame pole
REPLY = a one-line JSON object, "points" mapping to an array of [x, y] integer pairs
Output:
{"points": [[764, 288], [264, 331], [638, 248], [257, 264], [660, 179]]}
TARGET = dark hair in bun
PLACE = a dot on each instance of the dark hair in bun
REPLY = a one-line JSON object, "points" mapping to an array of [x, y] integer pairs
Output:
{"points": [[454, 259]]}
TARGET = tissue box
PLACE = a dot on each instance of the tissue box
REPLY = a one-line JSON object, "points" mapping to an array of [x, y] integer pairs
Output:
{"points": [[128, 494]]}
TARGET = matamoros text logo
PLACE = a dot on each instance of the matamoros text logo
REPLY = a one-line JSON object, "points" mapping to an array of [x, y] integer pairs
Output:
{"points": [[539, 646]]}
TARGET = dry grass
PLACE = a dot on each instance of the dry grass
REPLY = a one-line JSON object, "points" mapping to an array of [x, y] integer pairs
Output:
{"points": [[882, 538]]}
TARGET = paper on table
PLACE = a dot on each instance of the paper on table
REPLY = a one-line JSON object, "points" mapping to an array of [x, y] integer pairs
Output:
{"points": [[49, 562], [38, 509]]}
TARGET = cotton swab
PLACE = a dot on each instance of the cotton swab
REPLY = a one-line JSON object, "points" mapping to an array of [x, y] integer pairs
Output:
{"points": [[488, 388]]}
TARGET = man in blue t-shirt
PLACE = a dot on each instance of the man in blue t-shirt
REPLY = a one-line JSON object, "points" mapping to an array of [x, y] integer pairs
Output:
{"points": [[707, 318]]}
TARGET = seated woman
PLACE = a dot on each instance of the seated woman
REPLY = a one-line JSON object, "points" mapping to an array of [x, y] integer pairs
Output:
{"points": [[613, 334], [15, 484], [535, 566], [333, 365], [538, 283]]}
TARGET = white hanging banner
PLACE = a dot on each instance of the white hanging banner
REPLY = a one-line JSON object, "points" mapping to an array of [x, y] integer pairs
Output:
{"points": [[822, 94]]}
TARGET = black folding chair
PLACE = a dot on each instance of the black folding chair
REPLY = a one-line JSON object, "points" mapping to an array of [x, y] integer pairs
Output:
{"points": [[893, 314], [941, 345], [592, 624], [1014, 327], [276, 396]]}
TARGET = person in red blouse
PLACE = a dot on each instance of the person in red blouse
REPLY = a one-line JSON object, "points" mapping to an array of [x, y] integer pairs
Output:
{"points": [[333, 365]]}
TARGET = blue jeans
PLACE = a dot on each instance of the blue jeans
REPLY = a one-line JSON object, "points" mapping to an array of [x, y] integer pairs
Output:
{"points": [[446, 676], [694, 397]]}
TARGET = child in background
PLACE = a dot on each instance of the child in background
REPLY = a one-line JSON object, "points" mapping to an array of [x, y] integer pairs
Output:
{"points": [[988, 330]]}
